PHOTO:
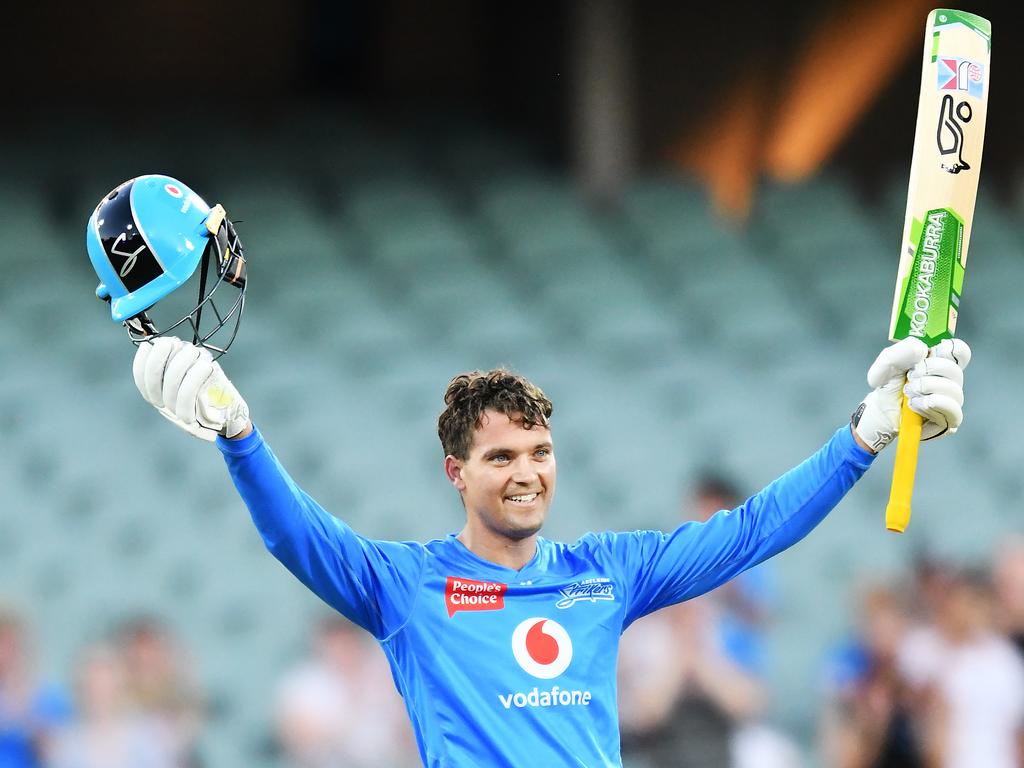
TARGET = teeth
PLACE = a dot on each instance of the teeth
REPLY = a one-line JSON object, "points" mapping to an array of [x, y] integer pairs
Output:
{"points": [[527, 498]]}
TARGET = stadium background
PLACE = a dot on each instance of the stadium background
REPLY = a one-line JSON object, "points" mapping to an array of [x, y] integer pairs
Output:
{"points": [[616, 200]]}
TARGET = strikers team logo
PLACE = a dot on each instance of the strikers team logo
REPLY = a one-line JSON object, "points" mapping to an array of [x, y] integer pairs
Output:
{"points": [[588, 590], [542, 647]]}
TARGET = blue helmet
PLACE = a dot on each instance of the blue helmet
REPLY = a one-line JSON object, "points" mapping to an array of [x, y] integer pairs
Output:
{"points": [[147, 238]]}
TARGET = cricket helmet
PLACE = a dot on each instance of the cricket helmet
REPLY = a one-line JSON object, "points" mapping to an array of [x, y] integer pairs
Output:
{"points": [[150, 236]]}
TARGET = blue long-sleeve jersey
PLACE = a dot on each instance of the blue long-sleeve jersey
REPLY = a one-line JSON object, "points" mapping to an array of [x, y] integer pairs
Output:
{"points": [[500, 667]]}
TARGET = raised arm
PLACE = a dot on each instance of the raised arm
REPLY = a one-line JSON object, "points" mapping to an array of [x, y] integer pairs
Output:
{"points": [[373, 583], [665, 568]]}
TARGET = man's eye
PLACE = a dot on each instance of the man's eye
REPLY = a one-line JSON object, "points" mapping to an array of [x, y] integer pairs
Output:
{"points": [[543, 452], [499, 457]]}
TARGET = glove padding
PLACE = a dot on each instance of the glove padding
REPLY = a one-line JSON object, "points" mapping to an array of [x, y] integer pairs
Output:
{"points": [[934, 381], [189, 388]]}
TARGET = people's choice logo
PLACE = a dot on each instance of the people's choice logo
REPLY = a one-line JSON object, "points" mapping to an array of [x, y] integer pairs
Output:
{"points": [[542, 647], [471, 595]]}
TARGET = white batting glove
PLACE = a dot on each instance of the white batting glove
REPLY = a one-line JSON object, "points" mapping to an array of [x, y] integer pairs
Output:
{"points": [[934, 389], [189, 388]]}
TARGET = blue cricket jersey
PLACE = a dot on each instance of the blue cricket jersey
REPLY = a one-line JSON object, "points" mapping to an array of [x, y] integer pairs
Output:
{"points": [[517, 668]]}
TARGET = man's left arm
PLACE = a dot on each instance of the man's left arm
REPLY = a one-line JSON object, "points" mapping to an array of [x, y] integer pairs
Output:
{"points": [[665, 568]]}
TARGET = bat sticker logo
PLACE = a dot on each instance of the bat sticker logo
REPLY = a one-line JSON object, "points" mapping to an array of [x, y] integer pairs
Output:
{"points": [[963, 75], [949, 135]]}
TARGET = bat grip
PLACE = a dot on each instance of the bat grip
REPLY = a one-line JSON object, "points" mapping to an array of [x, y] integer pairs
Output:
{"points": [[897, 513]]}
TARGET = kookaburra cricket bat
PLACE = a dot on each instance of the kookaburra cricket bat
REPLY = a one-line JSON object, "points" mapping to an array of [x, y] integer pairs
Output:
{"points": [[940, 207]]}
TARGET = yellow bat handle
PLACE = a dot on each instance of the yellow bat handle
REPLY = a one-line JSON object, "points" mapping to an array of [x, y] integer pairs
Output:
{"points": [[897, 514]]}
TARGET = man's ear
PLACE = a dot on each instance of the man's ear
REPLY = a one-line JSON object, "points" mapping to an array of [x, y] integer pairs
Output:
{"points": [[453, 469]]}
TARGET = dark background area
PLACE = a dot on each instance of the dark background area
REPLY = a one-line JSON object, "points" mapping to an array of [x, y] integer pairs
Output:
{"points": [[135, 67]]}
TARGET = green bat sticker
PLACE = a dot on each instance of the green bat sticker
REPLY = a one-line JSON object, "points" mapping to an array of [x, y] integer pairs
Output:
{"points": [[931, 293]]}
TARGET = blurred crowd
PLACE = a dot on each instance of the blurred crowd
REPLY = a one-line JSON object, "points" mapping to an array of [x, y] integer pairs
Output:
{"points": [[931, 675], [339, 707], [135, 702]]}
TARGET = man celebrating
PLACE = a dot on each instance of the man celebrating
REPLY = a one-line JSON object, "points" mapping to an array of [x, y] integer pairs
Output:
{"points": [[504, 643]]}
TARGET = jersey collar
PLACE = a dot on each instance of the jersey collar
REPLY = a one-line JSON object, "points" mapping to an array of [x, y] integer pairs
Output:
{"points": [[466, 554]]}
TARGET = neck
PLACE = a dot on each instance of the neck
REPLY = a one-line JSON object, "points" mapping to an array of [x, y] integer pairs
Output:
{"points": [[497, 549]]}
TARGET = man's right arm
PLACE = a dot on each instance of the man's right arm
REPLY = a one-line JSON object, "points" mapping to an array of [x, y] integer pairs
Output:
{"points": [[373, 583]]}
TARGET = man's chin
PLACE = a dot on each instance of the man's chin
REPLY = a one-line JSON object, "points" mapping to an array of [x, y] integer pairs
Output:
{"points": [[524, 529], [518, 534]]}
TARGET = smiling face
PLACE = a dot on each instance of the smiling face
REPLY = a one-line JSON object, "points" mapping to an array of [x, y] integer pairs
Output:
{"points": [[508, 479]]}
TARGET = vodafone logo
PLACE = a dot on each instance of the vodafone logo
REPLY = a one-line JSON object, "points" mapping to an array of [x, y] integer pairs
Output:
{"points": [[542, 647]]}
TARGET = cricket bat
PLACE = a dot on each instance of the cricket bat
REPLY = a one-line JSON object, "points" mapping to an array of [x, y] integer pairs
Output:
{"points": [[940, 207]]}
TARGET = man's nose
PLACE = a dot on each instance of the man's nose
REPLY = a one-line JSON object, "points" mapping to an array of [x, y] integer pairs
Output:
{"points": [[523, 471]]}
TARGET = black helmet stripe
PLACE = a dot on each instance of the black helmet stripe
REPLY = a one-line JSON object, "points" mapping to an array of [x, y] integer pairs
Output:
{"points": [[123, 242]]}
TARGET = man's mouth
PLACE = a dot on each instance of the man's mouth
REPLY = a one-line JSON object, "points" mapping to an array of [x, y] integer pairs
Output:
{"points": [[522, 500]]}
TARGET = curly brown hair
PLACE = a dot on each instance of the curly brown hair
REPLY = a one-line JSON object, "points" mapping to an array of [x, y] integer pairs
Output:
{"points": [[469, 394]]}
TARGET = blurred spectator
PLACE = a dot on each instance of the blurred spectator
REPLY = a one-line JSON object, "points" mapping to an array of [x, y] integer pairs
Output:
{"points": [[968, 679], [680, 696], [867, 721], [746, 602], [162, 684], [691, 677], [29, 710], [340, 708], [932, 578], [1008, 575], [107, 733]]}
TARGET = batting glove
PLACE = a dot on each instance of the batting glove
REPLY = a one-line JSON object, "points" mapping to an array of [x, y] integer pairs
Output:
{"points": [[934, 388], [189, 388]]}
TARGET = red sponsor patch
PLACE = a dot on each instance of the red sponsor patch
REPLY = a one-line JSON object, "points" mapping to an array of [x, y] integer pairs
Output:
{"points": [[469, 595]]}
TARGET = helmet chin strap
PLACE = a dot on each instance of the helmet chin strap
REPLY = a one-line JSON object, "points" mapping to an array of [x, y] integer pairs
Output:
{"points": [[204, 264], [214, 222], [142, 325]]}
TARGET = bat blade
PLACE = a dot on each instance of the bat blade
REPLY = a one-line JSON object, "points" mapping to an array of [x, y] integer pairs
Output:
{"points": [[944, 173], [943, 176]]}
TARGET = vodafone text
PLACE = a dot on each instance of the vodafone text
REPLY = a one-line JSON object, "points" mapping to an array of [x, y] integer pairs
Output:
{"points": [[555, 697]]}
